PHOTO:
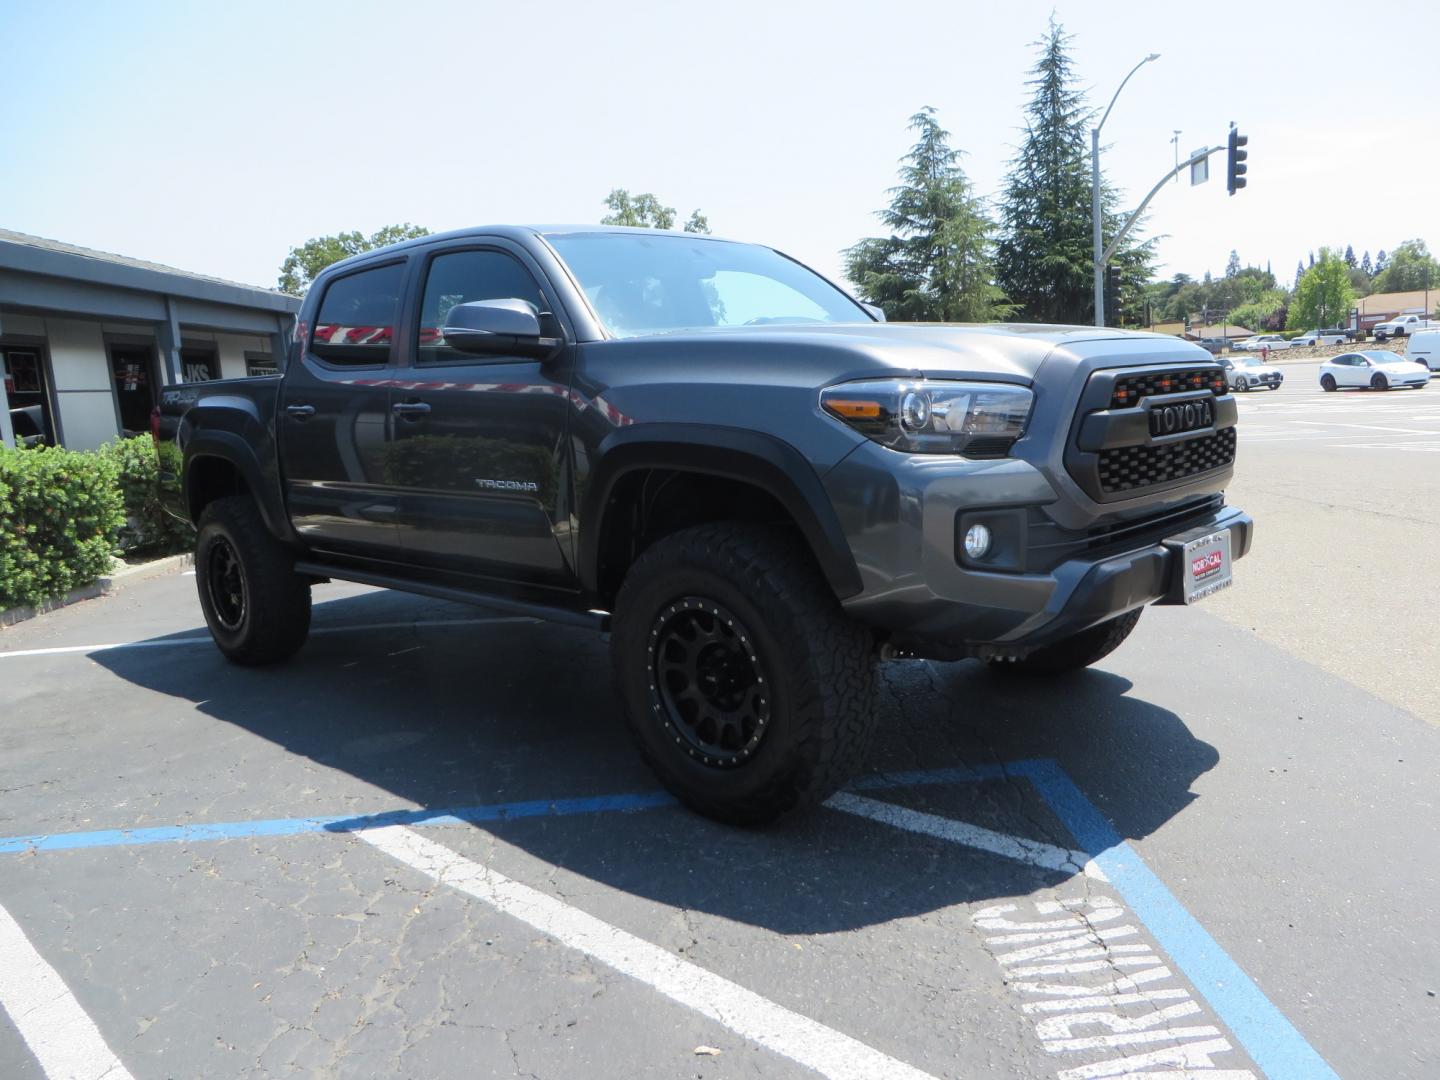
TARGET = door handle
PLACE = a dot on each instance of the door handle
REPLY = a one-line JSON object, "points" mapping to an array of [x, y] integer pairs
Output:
{"points": [[300, 412], [410, 410]]}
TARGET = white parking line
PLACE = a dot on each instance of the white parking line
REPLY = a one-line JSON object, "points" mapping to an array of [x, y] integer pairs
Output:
{"points": [[1047, 856], [829, 1052], [64, 1040], [160, 643]]}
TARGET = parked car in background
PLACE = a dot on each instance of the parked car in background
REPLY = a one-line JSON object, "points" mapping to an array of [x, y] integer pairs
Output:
{"points": [[1423, 347], [1404, 324], [1213, 345], [1248, 373], [1375, 368], [1262, 341], [1318, 337]]}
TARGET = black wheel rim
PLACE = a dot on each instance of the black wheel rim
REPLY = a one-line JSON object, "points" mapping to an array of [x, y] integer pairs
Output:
{"points": [[225, 583], [707, 685]]}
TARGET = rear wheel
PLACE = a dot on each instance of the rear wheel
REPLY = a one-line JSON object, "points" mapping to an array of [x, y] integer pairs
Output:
{"points": [[1075, 652], [257, 608], [1327, 383], [747, 688]]}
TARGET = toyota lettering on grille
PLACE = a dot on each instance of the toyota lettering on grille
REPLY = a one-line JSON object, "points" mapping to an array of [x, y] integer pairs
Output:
{"points": [[1175, 419]]}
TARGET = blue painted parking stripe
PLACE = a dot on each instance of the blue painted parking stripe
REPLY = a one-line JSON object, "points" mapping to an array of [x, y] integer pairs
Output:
{"points": [[1268, 1037], [649, 800], [236, 830]]}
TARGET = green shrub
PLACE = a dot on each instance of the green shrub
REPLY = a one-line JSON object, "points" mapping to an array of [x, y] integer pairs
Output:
{"points": [[147, 528], [59, 514]]}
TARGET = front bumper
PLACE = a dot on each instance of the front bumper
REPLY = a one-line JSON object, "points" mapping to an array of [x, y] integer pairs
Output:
{"points": [[923, 598]]}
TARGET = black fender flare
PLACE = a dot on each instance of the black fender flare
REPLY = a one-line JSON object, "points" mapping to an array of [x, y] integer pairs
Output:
{"points": [[752, 457], [233, 449]]}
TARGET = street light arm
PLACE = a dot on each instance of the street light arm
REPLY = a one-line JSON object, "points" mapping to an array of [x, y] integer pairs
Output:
{"points": [[1137, 67]]}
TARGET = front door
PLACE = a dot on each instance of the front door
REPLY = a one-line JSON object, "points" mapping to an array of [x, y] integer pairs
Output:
{"points": [[479, 450], [334, 421], [132, 372]]}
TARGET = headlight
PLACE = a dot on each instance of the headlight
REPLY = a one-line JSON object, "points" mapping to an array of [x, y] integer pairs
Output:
{"points": [[921, 416]]}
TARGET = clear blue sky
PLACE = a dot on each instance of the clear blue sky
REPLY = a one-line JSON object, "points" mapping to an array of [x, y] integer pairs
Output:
{"points": [[214, 137]]}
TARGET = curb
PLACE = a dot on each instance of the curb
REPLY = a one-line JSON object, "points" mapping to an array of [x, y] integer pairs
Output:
{"points": [[112, 582]]}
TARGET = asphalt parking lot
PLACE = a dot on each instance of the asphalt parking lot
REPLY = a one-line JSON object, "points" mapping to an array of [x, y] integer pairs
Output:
{"points": [[425, 848]]}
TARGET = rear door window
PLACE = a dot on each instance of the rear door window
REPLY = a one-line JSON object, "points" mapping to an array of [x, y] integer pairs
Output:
{"points": [[356, 322]]}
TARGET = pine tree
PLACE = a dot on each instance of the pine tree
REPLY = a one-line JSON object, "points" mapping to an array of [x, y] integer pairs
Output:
{"points": [[1232, 266], [1045, 257], [1381, 261], [1299, 271], [1365, 264], [1312, 258], [1350, 257], [938, 263]]}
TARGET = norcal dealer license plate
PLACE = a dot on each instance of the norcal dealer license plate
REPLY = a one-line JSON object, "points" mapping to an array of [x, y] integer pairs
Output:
{"points": [[1205, 566]]}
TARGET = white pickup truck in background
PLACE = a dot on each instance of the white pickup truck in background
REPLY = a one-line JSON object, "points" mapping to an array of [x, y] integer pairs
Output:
{"points": [[1402, 325]]}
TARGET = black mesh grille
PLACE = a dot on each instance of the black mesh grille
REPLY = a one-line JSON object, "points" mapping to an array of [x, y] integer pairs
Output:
{"points": [[1131, 467], [1131, 389]]}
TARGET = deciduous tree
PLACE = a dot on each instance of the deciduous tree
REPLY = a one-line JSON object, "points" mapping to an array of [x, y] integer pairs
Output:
{"points": [[1411, 266], [1324, 294], [645, 211], [306, 261]]}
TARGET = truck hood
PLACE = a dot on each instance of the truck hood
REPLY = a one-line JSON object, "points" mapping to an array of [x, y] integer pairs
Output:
{"points": [[1006, 351]]}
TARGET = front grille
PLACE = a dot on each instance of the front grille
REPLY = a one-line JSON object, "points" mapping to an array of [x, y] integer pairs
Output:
{"points": [[1130, 390], [1127, 468]]}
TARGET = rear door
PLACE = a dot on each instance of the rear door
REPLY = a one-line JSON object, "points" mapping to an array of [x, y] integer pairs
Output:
{"points": [[335, 422], [480, 441]]}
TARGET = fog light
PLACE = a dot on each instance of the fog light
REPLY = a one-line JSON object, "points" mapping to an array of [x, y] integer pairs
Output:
{"points": [[977, 541]]}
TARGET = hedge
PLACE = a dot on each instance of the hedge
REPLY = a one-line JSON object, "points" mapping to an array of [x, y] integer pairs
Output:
{"points": [[65, 514], [147, 529], [60, 514]]}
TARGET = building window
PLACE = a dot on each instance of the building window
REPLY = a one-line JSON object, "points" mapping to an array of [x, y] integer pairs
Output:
{"points": [[257, 364], [25, 386], [199, 365]]}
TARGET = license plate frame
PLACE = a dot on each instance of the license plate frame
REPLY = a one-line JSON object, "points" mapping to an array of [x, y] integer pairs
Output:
{"points": [[1206, 566]]}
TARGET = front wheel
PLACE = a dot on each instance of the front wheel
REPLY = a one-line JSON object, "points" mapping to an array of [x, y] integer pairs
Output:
{"points": [[1327, 383], [257, 608], [748, 690], [1075, 652], [1379, 382], [1241, 384]]}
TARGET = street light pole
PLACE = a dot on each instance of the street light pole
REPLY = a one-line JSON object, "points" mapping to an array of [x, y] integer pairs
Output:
{"points": [[1095, 193]]}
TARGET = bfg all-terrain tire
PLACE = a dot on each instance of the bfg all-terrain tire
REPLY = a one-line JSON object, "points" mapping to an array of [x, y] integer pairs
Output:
{"points": [[747, 689], [257, 608], [1075, 652]]}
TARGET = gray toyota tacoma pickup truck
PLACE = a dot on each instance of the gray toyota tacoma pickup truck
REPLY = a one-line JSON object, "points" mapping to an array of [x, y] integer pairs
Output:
{"points": [[754, 484]]}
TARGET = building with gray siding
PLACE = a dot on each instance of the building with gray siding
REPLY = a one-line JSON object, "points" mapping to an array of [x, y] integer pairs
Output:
{"points": [[88, 338]]}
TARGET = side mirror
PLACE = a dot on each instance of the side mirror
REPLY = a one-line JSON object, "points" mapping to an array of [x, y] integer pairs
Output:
{"points": [[875, 311], [497, 327]]}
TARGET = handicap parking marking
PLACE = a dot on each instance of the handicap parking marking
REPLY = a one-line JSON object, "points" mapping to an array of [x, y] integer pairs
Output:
{"points": [[59, 1033], [1041, 962]]}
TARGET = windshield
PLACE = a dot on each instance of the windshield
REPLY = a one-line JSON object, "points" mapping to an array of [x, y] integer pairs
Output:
{"points": [[1383, 357], [1247, 361], [647, 284]]}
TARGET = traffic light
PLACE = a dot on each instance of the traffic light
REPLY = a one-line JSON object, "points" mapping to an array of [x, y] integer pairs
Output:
{"points": [[1112, 296], [1235, 173]]}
